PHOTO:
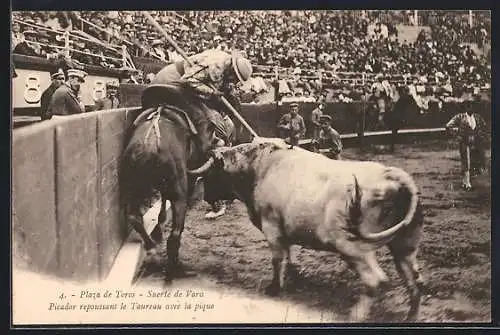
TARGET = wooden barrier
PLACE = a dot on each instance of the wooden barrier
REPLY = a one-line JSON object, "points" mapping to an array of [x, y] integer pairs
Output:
{"points": [[34, 230], [110, 144], [77, 197], [65, 210]]}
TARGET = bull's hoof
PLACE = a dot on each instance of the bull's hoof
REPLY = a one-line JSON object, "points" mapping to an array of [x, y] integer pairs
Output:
{"points": [[272, 290], [152, 259]]}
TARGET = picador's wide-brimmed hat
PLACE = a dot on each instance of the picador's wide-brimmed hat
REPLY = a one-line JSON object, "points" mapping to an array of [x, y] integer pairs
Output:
{"points": [[241, 66]]}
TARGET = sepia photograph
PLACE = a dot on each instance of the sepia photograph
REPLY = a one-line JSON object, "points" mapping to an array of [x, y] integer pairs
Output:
{"points": [[251, 167]]}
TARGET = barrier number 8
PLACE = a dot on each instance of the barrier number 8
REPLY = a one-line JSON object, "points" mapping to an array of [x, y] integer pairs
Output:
{"points": [[32, 93]]}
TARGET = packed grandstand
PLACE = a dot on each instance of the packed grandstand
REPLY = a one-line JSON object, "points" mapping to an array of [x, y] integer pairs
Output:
{"points": [[303, 52]]}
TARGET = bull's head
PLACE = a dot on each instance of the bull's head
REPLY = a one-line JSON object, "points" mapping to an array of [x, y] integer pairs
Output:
{"points": [[218, 182], [238, 158], [232, 169]]}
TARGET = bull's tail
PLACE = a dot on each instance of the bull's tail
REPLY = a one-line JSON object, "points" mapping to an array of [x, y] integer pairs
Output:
{"points": [[406, 181]]}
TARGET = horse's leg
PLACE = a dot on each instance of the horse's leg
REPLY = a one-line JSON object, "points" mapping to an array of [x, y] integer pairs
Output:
{"points": [[134, 217], [174, 268], [179, 209], [157, 233]]}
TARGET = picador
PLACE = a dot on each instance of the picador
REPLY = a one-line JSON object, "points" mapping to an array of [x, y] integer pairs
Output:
{"points": [[174, 133]]}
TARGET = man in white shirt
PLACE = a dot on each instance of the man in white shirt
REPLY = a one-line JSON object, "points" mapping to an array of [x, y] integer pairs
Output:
{"points": [[472, 133]]}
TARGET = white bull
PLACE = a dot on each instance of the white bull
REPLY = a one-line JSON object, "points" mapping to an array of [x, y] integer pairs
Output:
{"points": [[296, 197]]}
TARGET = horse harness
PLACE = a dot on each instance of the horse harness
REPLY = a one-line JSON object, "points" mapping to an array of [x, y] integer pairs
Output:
{"points": [[174, 115]]}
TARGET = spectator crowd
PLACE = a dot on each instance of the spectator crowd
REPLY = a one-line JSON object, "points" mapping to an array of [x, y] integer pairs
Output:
{"points": [[311, 49]]}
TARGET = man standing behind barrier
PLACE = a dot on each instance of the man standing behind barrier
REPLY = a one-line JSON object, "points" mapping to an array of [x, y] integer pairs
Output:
{"points": [[65, 100], [57, 81], [110, 101], [292, 126], [315, 115], [329, 138]]}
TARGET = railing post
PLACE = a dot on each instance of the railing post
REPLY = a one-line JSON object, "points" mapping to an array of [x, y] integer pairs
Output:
{"points": [[66, 44], [124, 55]]}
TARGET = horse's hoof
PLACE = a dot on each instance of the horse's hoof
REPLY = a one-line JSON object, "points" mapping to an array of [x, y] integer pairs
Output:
{"points": [[178, 271], [152, 258], [167, 281]]}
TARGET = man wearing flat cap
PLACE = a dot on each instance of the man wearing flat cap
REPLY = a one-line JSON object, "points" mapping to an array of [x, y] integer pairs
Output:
{"points": [[315, 115], [329, 140], [65, 100], [57, 78], [110, 101], [291, 125]]}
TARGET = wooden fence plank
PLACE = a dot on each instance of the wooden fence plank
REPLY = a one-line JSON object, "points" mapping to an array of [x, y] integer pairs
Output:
{"points": [[112, 226], [76, 196], [34, 234]]}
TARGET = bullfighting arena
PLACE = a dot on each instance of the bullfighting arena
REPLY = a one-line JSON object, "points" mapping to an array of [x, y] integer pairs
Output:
{"points": [[231, 257]]}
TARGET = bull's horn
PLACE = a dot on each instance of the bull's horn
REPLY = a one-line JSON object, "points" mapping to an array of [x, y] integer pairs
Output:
{"points": [[376, 237], [204, 168]]}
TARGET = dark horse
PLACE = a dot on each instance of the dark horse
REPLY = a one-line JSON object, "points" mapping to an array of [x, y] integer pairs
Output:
{"points": [[172, 135]]}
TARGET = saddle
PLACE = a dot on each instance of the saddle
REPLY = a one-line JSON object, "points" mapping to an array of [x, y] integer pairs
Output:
{"points": [[174, 94], [176, 98]]}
